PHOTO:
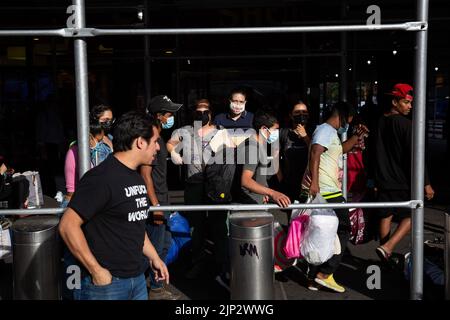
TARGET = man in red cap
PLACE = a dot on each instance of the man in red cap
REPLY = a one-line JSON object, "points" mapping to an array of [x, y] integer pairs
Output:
{"points": [[393, 168]]}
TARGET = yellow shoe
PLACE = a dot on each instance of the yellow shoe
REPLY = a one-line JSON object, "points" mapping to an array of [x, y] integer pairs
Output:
{"points": [[330, 284]]}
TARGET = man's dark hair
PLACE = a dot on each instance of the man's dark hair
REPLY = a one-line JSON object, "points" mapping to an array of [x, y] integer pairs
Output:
{"points": [[130, 126], [342, 109], [263, 119], [238, 90]]}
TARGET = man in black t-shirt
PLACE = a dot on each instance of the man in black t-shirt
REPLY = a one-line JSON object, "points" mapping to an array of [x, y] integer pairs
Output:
{"points": [[393, 168], [104, 225]]}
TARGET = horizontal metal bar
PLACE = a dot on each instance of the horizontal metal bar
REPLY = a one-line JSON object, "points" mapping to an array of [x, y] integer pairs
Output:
{"points": [[25, 212], [407, 26], [33, 33], [92, 32], [412, 204]]}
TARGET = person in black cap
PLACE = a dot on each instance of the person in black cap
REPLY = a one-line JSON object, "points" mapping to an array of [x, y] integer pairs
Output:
{"points": [[155, 177], [393, 168]]}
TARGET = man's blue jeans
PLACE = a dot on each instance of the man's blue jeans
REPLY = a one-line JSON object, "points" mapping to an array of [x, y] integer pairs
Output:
{"points": [[119, 289]]}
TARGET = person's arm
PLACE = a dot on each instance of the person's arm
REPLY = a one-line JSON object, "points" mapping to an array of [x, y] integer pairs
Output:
{"points": [[70, 168], [146, 173], [348, 145], [249, 183], [171, 148], [314, 162], [72, 234], [157, 265], [300, 131]]}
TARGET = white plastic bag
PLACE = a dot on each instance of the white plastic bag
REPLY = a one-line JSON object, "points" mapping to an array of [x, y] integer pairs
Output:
{"points": [[319, 242]]}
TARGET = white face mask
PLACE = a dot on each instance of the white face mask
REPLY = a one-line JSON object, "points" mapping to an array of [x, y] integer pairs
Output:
{"points": [[237, 108]]}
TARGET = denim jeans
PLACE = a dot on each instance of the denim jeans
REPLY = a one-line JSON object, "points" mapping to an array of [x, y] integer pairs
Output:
{"points": [[161, 238], [119, 289]]}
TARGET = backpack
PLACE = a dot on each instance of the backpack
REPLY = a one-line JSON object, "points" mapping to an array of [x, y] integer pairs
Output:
{"points": [[218, 177]]}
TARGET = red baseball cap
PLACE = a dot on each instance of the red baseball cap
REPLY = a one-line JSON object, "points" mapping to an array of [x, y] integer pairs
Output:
{"points": [[402, 90]]}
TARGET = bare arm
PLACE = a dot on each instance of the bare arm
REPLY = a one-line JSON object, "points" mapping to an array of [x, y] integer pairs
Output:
{"points": [[146, 173], [248, 182], [158, 266], [73, 236], [314, 162]]}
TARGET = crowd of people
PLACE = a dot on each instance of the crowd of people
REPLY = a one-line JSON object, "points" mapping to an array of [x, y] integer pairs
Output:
{"points": [[229, 158]]}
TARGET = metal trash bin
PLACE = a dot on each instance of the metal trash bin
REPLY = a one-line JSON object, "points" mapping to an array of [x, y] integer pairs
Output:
{"points": [[447, 254], [36, 258], [251, 256]]}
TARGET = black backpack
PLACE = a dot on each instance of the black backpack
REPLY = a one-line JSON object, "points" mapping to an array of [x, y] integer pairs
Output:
{"points": [[219, 178]]}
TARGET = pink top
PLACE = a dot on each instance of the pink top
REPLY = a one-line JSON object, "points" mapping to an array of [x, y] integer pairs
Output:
{"points": [[71, 168]]}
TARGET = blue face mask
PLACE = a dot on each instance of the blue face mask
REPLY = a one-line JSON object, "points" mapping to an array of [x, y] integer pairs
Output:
{"points": [[169, 124], [343, 129], [274, 135]]}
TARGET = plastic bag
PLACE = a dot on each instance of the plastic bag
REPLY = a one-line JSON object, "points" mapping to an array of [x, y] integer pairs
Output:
{"points": [[181, 236], [279, 237], [295, 236], [318, 244]]}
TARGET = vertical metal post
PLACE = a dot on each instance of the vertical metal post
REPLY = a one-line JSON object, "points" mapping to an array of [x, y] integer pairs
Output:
{"points": [[447, 254], [343, 96], [82, 92], [418, 157], [147, 61]]}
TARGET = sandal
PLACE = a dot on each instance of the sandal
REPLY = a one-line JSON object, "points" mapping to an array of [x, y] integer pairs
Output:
{"points": [[383, 254]]}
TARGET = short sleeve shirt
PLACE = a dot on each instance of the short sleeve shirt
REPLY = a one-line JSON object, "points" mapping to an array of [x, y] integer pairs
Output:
{"points": [[331, 160], [113, 203]]}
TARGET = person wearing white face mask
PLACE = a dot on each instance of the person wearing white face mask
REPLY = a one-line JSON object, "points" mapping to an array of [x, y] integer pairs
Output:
{"points": [[237, 117], [257, 170]]}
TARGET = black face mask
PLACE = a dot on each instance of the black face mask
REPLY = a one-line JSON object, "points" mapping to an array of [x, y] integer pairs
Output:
{"points": [[107, 125], [301, 119], [202, 116]]}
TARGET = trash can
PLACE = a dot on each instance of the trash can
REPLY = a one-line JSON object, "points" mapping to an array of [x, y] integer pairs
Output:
{"points": [[251, 256], [36, 258], [447, 254]]}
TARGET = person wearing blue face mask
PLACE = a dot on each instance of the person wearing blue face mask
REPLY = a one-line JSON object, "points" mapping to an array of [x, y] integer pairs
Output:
{"points": [[155, 177], [323, 176], [257, 169]]}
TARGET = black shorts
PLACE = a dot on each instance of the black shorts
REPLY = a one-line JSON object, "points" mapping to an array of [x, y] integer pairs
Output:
{"points": [[394, 196]]}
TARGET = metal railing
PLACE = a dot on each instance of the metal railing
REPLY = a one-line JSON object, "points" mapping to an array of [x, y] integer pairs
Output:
{"points": [[79, 32]]}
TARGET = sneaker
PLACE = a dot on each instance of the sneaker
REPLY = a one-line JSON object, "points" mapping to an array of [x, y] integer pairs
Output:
{"points": [[224, 280], [312, 285], [162, 293], [330, 284]]}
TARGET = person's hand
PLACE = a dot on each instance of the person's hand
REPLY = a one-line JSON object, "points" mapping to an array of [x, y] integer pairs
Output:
{"points": [[176, 158], [3, 168], [158, 217], [300, 131], [101, 277], [160, 270], [429, 192], [280, 199], [362, 131], [314, 189]]}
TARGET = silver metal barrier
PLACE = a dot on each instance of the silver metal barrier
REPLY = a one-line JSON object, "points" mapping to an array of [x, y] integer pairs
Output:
{"points": [[251, 256], [447, 254], [36, 259]]}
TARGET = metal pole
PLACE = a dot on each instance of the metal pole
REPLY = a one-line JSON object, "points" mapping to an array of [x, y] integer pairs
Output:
{"points": [[82, 92], [147, 58], [343, 97], [240, 207], [447, 254], [418, 159]]}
